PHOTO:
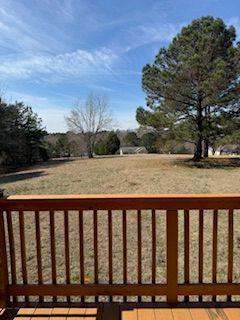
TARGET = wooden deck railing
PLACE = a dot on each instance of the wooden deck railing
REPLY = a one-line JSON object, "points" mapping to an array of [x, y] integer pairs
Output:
{"points": [[18, 214]]}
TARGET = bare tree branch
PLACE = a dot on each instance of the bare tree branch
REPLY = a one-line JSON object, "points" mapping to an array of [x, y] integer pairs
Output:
{"points": [[89, 118]]}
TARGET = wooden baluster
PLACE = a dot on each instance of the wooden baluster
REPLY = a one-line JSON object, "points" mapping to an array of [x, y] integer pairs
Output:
{"points": [[81, 249], [214, 249], [39, 251], [172, 256], [186, 250], [23, 249], [230, 249], [200, 252], [139, 238], [153, 250], [4, 299], [95, 245], [12, 251], [67, 255], [124, 230], [53, 250], [110, 253]]}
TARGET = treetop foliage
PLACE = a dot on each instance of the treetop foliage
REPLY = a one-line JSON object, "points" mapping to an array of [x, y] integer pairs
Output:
{"points": [[109, 145]]}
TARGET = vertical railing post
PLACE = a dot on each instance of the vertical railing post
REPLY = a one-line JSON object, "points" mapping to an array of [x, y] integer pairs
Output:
{"points": [[172, 256], [3, 263]]}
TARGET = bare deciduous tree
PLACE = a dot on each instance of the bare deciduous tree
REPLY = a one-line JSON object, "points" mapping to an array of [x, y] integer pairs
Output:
{"points": [[90, 118]]}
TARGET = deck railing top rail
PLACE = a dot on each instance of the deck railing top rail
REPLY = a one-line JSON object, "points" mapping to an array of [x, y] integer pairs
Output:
{"points": [[121, 202]]}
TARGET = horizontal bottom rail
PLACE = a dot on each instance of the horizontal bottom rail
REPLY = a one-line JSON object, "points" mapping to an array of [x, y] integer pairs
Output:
{"points": [[212, 289], [122, 289], [88, 290]]}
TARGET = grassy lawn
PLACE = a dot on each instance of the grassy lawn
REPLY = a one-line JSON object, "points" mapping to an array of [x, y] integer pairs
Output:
{"points": [[128, 174]]}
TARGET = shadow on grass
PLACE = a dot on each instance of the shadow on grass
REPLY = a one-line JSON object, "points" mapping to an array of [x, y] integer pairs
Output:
{"points": [[48, 164], [210, 163], [55, 162], [18, 176]]}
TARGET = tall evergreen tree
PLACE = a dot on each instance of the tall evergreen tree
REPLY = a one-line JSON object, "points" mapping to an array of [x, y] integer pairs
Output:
{"points": [[194, 81], [21, 135]]}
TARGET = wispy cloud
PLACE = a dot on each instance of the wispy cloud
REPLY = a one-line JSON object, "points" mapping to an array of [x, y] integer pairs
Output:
{"points": [[22, 30], [153, 32], [64, 8], [159, 32], [73, 64]]}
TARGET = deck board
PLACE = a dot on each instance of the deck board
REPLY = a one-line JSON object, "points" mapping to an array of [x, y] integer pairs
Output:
{"points": [[119, 312], [77, 313], [144, 314], [181, 314], [129, 314], [199, 314], [232, 313], [220, 314], [163, 314]]}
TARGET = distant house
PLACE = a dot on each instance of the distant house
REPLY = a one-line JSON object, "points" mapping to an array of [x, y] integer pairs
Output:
{"points": [[132, 150], [228, 149]]}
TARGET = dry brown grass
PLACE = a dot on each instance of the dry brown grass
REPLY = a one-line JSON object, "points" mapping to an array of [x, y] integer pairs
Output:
{"points": [[128, 174]]}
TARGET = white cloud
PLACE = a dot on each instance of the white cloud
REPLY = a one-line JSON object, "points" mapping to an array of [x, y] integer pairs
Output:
{"points": [[73, 64]]}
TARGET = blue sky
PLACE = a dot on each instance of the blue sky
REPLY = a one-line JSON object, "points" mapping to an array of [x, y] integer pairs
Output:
{"points": [[53, 52]]}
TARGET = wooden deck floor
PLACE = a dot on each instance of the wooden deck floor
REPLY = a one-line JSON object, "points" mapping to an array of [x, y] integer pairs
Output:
{"points": [[118, 312]]}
